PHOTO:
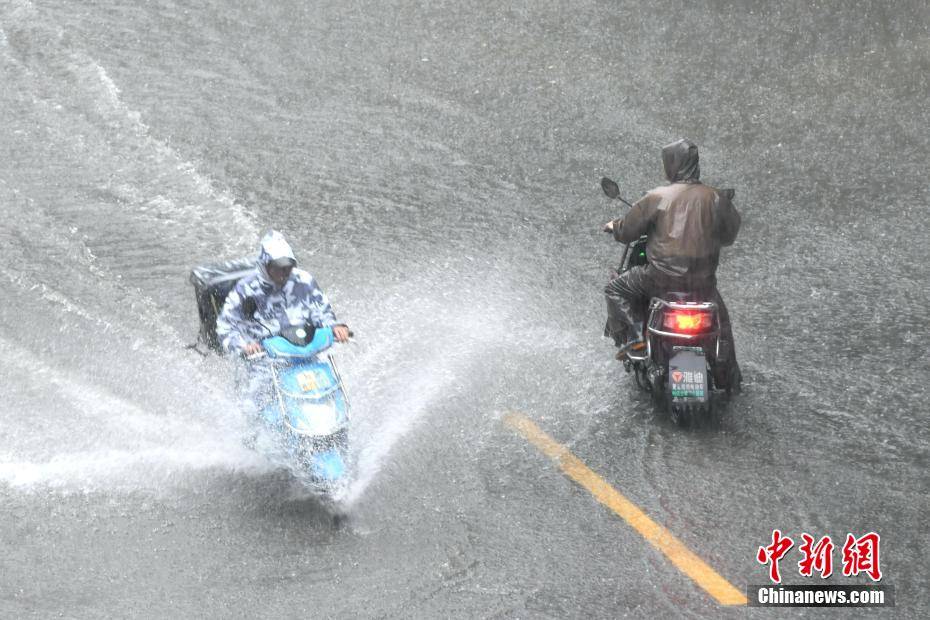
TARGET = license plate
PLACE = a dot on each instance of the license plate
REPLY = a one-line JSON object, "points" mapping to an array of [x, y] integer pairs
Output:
{"points": [[687, 376], [307, 381]]}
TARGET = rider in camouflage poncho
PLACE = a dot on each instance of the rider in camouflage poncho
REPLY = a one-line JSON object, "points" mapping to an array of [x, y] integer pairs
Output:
{"points": [[278, 295], [293, 300]]}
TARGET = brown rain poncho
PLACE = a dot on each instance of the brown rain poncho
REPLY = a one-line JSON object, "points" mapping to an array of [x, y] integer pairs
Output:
{"points": [[687, 222]]}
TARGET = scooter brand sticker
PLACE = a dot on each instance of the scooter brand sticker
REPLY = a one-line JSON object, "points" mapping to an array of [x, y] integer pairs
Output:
{"points": [[307, 381], [687, 377]]}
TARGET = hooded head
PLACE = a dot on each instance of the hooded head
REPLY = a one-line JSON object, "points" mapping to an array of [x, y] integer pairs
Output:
{"points": [[275, 259], [681, 161]]}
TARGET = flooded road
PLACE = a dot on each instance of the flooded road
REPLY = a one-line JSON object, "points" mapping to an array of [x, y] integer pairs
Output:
{"points": [[436, 168]]}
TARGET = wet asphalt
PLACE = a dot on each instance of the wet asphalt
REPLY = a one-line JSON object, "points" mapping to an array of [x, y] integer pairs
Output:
{"points": [[437, 169]]}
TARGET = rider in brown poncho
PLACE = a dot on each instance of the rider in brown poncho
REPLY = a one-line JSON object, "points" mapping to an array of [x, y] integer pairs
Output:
{"points": [[686, 223]]}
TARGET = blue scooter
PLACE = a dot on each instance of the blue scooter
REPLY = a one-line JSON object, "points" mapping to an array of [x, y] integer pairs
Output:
{"points": [[308, 409]]}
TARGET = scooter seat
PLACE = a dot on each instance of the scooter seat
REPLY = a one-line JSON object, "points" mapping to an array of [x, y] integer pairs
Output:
{"points": [[682, 297]]}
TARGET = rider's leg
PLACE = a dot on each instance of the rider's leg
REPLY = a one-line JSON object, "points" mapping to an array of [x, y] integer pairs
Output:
{"points": [[625, 298], [726, 373], [253, 387]]}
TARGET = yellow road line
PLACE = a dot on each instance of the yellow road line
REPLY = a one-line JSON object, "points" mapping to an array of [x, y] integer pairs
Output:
{"points": [[659, 537]]}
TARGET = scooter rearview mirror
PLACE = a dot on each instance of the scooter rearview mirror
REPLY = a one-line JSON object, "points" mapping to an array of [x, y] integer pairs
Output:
{"points": [[610, 188]]}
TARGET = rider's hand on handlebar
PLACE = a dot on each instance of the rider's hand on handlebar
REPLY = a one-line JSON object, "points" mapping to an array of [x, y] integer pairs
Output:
{"points": [[251, 349], [341, 333], [609, 226]]}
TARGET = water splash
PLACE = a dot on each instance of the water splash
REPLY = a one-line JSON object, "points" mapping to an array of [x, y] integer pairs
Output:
{"points": [[66, 431]]}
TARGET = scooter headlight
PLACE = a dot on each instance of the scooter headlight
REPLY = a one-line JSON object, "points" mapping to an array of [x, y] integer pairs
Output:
{"points": [[318, 419]]}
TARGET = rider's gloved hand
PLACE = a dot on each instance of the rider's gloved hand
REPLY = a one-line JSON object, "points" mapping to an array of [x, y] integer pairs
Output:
{"points": [[341, 333], [252, 348]]}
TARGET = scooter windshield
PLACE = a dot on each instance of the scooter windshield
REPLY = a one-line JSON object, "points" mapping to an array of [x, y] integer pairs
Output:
{"points": [[280, 347]]}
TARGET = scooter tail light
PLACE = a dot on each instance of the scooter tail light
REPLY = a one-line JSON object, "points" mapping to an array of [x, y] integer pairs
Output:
{"points": [[688, 321]]}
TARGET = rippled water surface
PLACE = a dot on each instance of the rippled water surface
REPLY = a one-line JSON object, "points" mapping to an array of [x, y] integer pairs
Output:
{"points": [[436, 166]]}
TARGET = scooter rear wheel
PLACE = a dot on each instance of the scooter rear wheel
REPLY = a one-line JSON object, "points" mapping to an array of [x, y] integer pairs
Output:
{"points": [[681, 416]]}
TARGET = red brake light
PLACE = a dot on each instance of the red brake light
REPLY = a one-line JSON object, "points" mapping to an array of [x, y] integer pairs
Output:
{"points": [[688, 322]]}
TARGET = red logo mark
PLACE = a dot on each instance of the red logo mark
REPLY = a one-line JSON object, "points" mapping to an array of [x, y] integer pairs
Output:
{"points": [[677, 376], [817, 557], [860, 555], [773, 553]]}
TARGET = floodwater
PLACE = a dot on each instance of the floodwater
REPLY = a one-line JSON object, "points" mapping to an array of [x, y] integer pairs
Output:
{"points": [[436, 167]]}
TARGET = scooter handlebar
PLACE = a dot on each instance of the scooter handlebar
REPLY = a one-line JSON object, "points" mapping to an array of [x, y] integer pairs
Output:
{"points": [[263, 353]]}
